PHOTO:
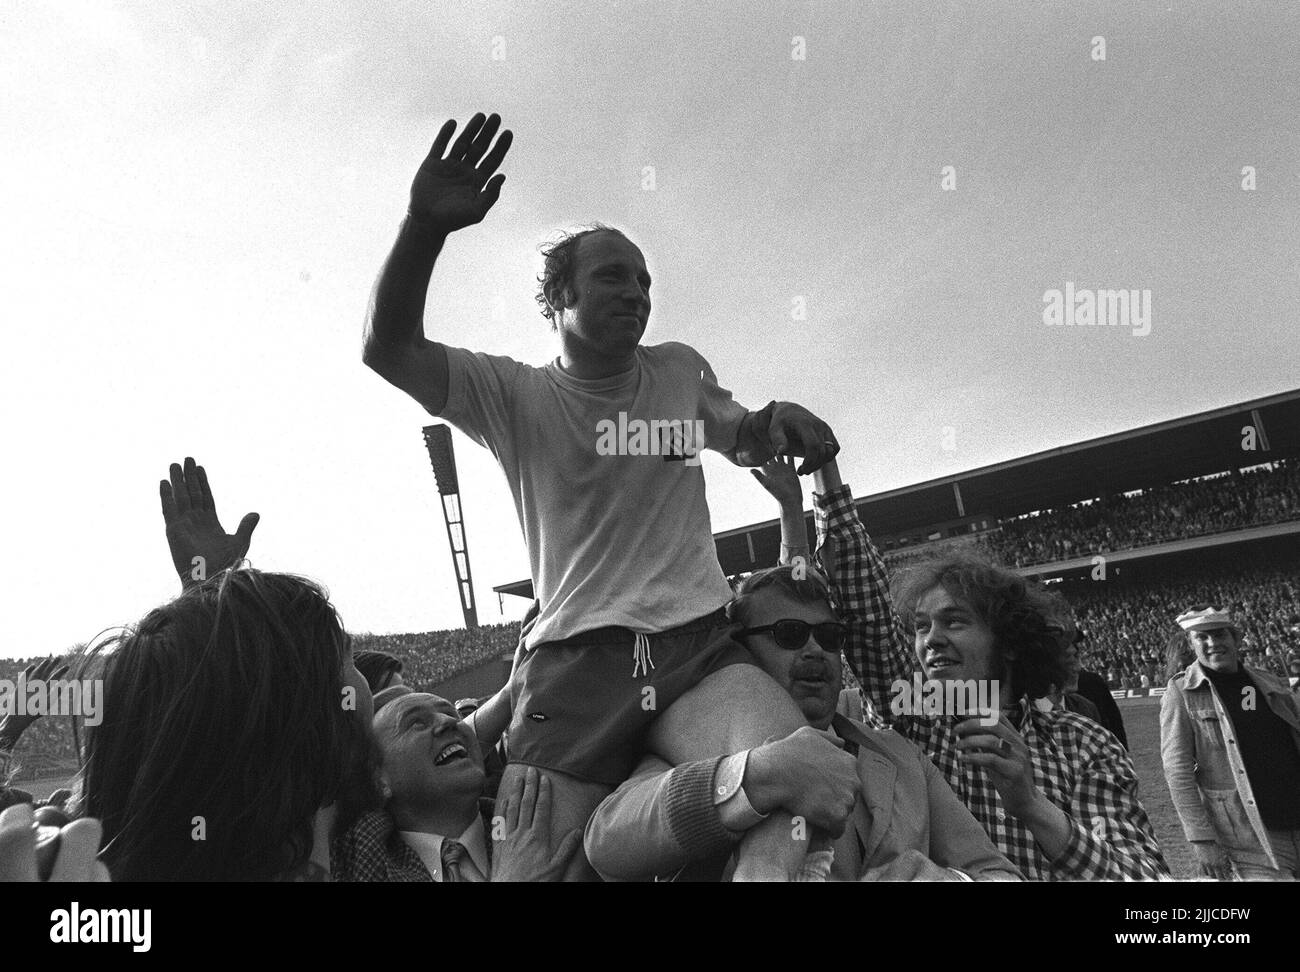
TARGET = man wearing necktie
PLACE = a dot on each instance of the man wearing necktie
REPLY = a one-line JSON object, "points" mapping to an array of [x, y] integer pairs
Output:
{"points": [[436, 824], [457, 865]]}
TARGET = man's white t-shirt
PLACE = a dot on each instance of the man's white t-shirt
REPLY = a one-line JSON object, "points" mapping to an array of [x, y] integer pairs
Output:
{"points": [[614, 538]]}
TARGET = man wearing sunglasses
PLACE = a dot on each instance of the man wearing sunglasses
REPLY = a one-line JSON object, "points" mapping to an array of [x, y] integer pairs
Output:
{"points": [[891, 816]]}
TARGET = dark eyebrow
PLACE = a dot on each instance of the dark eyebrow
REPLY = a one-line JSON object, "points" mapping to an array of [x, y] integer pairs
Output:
{"points": [[409, 715], [620, 267], [426, 709]]}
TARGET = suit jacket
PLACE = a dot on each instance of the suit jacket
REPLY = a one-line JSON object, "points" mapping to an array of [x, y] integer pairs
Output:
{"points": [[1093, 688], [372, 849], [907, 823]]}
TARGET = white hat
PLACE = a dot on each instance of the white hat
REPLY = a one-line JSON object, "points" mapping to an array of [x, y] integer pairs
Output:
{"points": [[1206, 619]]}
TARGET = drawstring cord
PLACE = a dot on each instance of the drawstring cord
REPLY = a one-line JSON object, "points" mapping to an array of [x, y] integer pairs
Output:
{"points": [[641, 655]]}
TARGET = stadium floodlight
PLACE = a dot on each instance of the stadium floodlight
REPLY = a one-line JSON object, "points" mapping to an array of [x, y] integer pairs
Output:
{"points": [[437, 439]]}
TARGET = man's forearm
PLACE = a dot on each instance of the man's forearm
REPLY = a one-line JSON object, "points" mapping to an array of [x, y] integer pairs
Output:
{"points": [[877, 649], [492, 718], [659, 820], [1050, 826], [827, 478], [396, 315], [794, 536]]}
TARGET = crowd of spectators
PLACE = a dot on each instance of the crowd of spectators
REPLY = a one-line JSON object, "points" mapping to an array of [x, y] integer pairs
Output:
{"points": [[431, 657], [1128, 624], [1175, 512], [48, 745]]}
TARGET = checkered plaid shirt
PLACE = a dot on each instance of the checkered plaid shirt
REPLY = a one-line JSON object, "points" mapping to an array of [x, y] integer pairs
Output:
{"points": [[1078, 766]]}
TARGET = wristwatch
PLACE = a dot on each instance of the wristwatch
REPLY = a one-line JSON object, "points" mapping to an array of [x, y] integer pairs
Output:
{"points": [[734, 808]]}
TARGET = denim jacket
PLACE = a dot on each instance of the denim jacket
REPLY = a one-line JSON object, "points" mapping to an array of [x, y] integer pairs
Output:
{"points": [[1203, 764]]}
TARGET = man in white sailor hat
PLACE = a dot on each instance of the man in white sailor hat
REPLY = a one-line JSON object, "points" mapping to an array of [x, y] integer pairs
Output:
{"points": [[1230, 742]]}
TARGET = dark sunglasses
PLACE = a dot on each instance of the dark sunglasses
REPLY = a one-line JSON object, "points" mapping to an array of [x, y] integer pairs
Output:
{"points": [[793, 635]]}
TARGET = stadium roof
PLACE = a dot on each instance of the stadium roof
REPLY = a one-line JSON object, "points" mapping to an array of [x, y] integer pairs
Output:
{"points": [[1153, 455]]}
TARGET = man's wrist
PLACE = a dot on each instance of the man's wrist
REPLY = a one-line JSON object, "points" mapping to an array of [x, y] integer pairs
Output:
{"points": [[753, 439], [759, 781], [1040, 811], [423, 229], [793, 553]]}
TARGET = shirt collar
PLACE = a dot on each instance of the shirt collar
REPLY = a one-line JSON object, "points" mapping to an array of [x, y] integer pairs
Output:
{"points": [[429, 847]]}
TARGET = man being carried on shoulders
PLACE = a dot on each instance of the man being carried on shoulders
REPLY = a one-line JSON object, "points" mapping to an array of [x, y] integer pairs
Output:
{"points": [[631, 650]]}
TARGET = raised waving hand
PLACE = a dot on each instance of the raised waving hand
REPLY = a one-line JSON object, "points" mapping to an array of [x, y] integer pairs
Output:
{"points": [[199, 545], [455, 188]]}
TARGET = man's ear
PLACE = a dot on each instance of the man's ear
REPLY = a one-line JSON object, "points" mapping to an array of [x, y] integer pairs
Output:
{"points": [[558, 298]]}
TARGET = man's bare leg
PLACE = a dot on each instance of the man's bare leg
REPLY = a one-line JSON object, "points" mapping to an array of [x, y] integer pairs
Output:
{"points": [[733, 709], [573, 803]]}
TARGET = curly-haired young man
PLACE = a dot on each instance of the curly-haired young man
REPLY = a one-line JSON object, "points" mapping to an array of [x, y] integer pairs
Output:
{"points": [[1057, 793]]}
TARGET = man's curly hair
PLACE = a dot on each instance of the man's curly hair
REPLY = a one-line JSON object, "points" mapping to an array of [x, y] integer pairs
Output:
{"points": [[1025, 617], [556, 278]]}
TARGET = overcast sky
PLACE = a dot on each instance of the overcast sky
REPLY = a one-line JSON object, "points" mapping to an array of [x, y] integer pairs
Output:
{"points": [[196, 199]]}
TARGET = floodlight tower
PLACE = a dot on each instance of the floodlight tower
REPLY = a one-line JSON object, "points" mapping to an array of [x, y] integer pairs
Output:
{"points": [[437, 439]]}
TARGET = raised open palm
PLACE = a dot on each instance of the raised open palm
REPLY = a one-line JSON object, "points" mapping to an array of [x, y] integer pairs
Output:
{"points": [[779, 478], [457, 190], [193, 530]]}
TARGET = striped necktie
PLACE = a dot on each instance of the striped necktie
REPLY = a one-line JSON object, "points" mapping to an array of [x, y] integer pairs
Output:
{"points": [[457, 864]]}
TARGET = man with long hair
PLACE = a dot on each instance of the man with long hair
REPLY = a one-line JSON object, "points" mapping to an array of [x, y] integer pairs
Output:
{"points": [[1055, 791], [234, 734]]}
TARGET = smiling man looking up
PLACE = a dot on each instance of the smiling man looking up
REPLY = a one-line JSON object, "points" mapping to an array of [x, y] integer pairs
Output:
{"points": [[435, 824], [631, 650]]}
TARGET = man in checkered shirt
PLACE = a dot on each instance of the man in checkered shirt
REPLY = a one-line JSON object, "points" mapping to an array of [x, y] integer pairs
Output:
{"points": [[1057, 793]]}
